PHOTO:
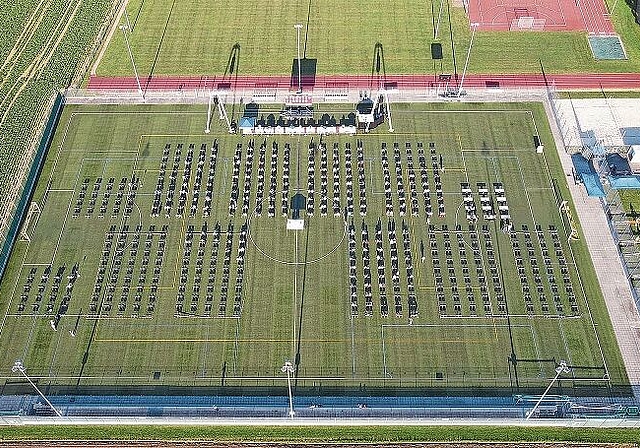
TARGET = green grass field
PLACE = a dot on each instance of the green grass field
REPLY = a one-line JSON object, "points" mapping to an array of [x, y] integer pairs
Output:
{"points": [[630, 202], [152, 321], [326, 434], [341, 36]]}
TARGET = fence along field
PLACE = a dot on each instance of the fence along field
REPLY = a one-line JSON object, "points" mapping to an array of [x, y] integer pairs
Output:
{"points": [[142, 268]]}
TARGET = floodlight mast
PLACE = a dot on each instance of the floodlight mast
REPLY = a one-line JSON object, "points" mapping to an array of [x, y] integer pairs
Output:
{"points": [[207, 129], [289, 369], [124, 29], [298, 26], [474, 27], [19, 367], [562, 368]]}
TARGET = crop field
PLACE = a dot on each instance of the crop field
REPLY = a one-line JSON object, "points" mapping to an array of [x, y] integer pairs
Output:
{"points": [[340, 38], [42, 47], [434, 257]]}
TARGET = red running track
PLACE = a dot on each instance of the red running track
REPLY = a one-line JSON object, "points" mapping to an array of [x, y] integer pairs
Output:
{"points": [[591, 81]]}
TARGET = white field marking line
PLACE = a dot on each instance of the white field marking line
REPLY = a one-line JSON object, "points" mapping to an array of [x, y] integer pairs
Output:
{"points": [[524, 184], [435, 112], [539, 188], [55, 352], [180, 250], [565, 342], [98, 316], [457, 326], [466, 175], [148, 112], [107, 40], [524, 187], [581, 379], [353, 349], [137, 319], [573, 258], [27, 341], [33, 224], [545, 317], [295, 294], [482, 243], [533, 119], [371, 183], [583, 17], [99, 152], [64, 224], [564, 18], [183, 378], [484, 271], [235, 345], [496, 149], [493, 325], [384, 353], [294, 263], [536, 347], [135, 169], [15, 288], [61, 377], [226, 175], [181, 317]]}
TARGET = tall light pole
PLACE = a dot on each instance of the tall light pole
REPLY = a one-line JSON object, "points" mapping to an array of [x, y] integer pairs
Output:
{"points": [[289, 369], [125, 29], [19, 367], [562, 368], [474, 27], [298, 26], [208, 127]]}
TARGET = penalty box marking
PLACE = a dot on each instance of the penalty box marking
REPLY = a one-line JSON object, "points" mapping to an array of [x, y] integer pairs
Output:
{"points": [[493, 326]]}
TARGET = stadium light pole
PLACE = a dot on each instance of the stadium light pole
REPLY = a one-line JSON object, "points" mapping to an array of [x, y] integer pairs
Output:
{"points": [[298, 26], [19, 367], [289, 369], [124, 29], [562, 368], [208, 127], [474, 27]]}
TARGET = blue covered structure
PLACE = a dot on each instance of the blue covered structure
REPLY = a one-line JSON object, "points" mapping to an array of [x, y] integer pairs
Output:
{"points": [[587, 174]]}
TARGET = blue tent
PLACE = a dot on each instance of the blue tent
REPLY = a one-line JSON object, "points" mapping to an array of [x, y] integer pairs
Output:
{"points": [[586, 172], [247, 122]]}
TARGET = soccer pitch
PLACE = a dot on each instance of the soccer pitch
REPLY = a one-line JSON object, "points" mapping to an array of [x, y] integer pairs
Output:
{"points": [[160, 256], [340, 37]]}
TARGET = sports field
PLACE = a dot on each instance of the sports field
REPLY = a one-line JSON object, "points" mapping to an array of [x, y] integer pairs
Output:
{"points": [[340, 37], [432, 257]]}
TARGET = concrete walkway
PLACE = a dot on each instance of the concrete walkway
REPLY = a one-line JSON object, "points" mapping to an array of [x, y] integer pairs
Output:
{"points": [[608, 266], [307, 422]]}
